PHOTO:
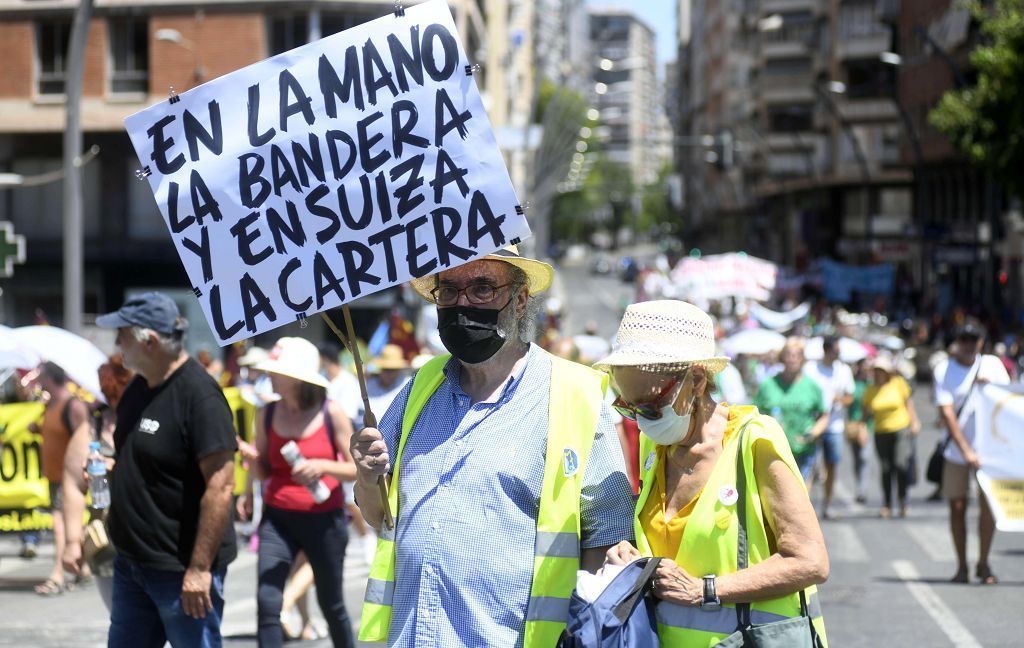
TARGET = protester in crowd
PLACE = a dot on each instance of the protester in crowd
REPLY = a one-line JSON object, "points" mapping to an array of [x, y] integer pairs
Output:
{"points": [[836, 382], [388, 373], [859, 428], [171, 485], [292, 518], [663, 369], [344, 385], [729, 384], [114, 379], [591, 345], [23, 393], [957, 380], [65, 417], [888, 403], [344, 390], [565, 348], [794, 400], [488, 534]]}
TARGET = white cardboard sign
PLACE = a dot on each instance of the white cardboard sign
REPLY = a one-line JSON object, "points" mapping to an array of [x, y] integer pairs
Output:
{"points": [[329, 172]]}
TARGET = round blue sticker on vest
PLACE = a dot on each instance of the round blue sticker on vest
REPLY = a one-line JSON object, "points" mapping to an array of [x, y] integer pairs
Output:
{"points": [[570, 462], [650, 461]]}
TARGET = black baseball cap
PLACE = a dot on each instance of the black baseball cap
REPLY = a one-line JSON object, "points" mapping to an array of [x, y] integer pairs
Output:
{"points": [[970, 329], [152, 310]]}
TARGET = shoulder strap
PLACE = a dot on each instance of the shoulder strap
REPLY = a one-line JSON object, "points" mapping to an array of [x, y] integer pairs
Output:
{"points": [[268, 417], [65, 416], [329, 424], [970, 389], [640, 588]]}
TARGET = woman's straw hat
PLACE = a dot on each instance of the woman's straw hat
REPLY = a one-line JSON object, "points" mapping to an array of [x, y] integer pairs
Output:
{"points": [[538, 273], [391, 357], [296, 358], [665, 335]]}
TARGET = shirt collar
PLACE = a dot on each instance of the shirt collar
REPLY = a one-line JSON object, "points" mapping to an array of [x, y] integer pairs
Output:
{"points": [[453, 372]]}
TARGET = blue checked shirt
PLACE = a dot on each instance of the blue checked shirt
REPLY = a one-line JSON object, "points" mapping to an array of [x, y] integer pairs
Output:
{"points": [[469, 494]]}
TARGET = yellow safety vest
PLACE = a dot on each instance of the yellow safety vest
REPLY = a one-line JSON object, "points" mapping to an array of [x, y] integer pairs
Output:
{"points": [[575, 399], [709, 542]]}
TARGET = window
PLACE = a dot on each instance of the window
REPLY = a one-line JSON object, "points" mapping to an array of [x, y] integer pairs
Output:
{"points": [[129, 55], [52, 38], [859, 20], [287, 31], [791, 119], [787, 67], [870, 79]]}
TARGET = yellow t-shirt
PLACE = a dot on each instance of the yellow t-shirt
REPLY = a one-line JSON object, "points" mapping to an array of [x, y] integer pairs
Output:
{"points": [[888, 404], [663, 535]]}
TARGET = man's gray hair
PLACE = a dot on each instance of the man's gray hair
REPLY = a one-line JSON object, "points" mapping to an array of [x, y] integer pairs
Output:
{"points": [[526, 328], [170, 343]]}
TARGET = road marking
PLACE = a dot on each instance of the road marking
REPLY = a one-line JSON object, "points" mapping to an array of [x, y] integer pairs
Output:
{"points": [[843, 544], [840, 492], [943, 616], [934, 541]]}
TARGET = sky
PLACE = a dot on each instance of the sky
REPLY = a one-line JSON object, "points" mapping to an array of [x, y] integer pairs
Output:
{"points": [[660, 15]]}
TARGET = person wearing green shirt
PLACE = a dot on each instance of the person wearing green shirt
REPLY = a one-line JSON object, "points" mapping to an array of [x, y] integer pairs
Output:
{"points": [[796, 402]]}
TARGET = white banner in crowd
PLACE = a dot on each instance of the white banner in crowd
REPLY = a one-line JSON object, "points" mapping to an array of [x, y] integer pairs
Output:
{"points": [[329, 172], [999, 442]]}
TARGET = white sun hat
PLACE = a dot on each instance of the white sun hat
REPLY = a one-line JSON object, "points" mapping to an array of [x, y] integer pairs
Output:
{"points": [[664, 335], [538, 273], [296, 358]]}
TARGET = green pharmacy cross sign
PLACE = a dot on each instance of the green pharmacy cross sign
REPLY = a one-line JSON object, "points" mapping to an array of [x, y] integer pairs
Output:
{"points": [[12, 249]]}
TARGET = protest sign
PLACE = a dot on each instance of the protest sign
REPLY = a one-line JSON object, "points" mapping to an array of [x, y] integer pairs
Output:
{"points": [[999, 442], [25, 490], [329, 172]]}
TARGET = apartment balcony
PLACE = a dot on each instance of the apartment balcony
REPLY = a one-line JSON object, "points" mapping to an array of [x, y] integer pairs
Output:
{"points": [[787, 89], [795, 142], [769, 7], [866, 46], [868, 110], [784, 49]]}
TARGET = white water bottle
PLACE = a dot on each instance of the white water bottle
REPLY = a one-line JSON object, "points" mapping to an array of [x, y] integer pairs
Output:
{"points": [[291, 453], [99, 488]]}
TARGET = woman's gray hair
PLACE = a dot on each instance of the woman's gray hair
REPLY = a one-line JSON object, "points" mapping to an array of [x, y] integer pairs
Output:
{"points": [[526, 327], [170, 343]]}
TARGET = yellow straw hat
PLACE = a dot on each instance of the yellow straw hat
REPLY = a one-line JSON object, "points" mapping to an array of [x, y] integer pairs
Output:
{"points": [[538, 273]]}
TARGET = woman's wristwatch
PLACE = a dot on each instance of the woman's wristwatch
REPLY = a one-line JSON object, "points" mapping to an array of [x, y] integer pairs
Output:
{"points": [[710, 602]]}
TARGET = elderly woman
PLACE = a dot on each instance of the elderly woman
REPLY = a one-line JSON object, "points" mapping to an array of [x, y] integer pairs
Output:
{"points": [[888, 401], [688, 511]]}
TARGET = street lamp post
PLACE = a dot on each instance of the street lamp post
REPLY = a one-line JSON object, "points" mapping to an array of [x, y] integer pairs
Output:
{"points": [[72, 194], [168, 35]]}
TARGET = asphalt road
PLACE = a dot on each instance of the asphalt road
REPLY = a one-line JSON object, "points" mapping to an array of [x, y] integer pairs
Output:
{"points": [[888, 585]]}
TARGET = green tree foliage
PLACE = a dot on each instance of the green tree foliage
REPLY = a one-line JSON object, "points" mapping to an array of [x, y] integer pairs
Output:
{"points": [[986, 121]]}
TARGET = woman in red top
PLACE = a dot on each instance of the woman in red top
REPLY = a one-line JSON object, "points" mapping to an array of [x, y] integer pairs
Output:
{"points": [[293, 518]]}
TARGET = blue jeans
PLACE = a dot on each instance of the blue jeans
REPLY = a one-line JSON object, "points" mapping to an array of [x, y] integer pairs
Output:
{"points": [[832, 447], [146, 610]]}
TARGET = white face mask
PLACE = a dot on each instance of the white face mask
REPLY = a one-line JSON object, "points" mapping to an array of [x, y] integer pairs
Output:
{"points": [[668, 430]]}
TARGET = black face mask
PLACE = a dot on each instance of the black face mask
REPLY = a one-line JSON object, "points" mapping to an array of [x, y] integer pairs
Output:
{"points": [[471, 334]]}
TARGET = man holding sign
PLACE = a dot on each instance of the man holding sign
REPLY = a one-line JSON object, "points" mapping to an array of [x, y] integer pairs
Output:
{"points": [[957, 381], [506, 474]]}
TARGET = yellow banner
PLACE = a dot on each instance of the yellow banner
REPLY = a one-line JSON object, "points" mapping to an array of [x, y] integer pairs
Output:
{"points": [[24, 488], [244, 414], [24, 492]]}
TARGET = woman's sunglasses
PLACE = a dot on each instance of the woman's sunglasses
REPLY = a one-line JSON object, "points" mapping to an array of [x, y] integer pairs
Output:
{"points": [[651, 410]]}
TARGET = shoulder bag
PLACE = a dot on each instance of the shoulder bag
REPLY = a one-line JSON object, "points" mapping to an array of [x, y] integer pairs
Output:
{"points": [[795, 632], [936, 462]]}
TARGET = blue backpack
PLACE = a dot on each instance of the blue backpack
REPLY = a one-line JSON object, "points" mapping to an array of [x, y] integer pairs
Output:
{"points": [[621, 617]]}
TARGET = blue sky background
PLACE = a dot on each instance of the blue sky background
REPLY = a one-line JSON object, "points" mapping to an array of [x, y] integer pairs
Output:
{"points": [[660, 15]]}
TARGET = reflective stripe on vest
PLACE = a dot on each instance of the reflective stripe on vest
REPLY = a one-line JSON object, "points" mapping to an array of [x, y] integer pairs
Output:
{"points": [[709, 541], [575, 399]]}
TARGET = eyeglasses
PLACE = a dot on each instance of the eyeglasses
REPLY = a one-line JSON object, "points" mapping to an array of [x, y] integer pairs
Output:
{"points": [[651, 410], [478, 293]]}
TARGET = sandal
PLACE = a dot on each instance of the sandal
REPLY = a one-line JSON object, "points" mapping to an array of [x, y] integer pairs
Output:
{"points": [[50, 587], [986, 576], [312, 633]]}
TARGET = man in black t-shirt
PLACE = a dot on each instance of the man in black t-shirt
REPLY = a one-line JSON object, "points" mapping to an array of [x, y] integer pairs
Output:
{"points": [[171, 486]]}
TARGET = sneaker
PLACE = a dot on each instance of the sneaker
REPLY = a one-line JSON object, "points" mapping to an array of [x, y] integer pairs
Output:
{"points": [[28, 551]]}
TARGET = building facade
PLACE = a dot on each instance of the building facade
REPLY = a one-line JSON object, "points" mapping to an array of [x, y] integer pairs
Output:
{"points": [[137, 50]]}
